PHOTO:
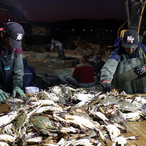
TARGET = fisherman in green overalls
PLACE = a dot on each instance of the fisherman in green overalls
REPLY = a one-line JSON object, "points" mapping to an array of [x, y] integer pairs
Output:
{"points": [[126, 65], [11, 63]]}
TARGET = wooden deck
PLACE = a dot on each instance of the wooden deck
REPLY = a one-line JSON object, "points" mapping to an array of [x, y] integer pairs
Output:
{"points": [[136, 129]]}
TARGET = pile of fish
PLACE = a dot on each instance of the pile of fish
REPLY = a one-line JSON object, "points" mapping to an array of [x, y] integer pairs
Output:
{"points": [[64, 116]]}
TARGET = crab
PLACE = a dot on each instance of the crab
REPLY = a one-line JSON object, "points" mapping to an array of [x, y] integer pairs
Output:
{"points": [[7, 138], [20, 120], [66, 91], [132, 116], [42, 123], [114, 132], [127, 106], [44, 95], [99, 114], [56, 90], [110, 100]]}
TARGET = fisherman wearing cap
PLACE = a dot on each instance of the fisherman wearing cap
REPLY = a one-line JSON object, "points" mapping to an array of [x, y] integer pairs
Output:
{"points": [[11, 63], [57, 44], [126, 65]]}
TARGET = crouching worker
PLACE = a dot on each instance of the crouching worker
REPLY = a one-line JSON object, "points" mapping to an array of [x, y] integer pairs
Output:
{"points": [[57, 44], [126, 65], [83, 75], [11, 63]]}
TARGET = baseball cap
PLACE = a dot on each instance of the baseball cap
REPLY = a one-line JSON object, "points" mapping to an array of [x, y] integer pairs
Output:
{"points": [[130, 39], [15, 32]]}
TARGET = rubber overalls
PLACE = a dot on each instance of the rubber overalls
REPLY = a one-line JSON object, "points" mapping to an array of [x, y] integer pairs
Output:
{"points": [[60, 50], [6, 65], [125, 78]]}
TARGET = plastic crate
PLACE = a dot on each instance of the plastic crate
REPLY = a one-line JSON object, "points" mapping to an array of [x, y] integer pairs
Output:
{"points": [[52, 81], [48, 80], [75, 62]]}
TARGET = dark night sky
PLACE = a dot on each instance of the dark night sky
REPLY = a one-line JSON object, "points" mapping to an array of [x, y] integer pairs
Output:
{"points": [[56, 10]]}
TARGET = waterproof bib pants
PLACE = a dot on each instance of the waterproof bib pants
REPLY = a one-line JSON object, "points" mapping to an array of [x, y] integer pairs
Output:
{"points": [[60, 51], [125, 78]]}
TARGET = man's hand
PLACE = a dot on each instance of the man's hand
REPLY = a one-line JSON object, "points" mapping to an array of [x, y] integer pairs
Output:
{"points": [[105, 86], [3, 95], [18, 91], [140, 70]]}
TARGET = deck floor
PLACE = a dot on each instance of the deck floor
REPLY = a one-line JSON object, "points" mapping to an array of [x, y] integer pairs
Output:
{"points": [[136, 129]]}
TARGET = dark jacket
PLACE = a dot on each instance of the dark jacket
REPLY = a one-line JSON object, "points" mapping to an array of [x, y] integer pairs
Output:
{"points": [[98, 66], [11, 68], [29, 75]]}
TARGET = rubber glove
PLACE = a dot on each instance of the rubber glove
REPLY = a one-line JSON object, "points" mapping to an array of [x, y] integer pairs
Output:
{"points": [[50, 51], [140, 70], [105, 86], [3, 95], [18, 91]]}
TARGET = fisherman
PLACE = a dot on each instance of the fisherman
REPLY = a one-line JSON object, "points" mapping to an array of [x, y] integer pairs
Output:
{"points": [[57, 44], [83, 74], [11, 63], [126, 65]]}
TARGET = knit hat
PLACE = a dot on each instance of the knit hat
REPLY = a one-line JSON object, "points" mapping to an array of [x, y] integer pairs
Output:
{"points": [[130, 39], [15, 32]]}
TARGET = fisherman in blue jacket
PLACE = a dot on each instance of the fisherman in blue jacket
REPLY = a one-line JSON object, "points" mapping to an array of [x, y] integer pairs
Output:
{"points": [[126, 65]]}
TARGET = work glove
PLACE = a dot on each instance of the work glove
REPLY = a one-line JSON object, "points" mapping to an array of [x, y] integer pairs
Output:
{"points": [[3, 95], [105, 86], [50, 51], [140, 70], [18, 91]]}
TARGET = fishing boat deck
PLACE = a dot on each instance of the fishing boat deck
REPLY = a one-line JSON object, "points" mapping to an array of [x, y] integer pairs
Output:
{"points": [[136, 128]]}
